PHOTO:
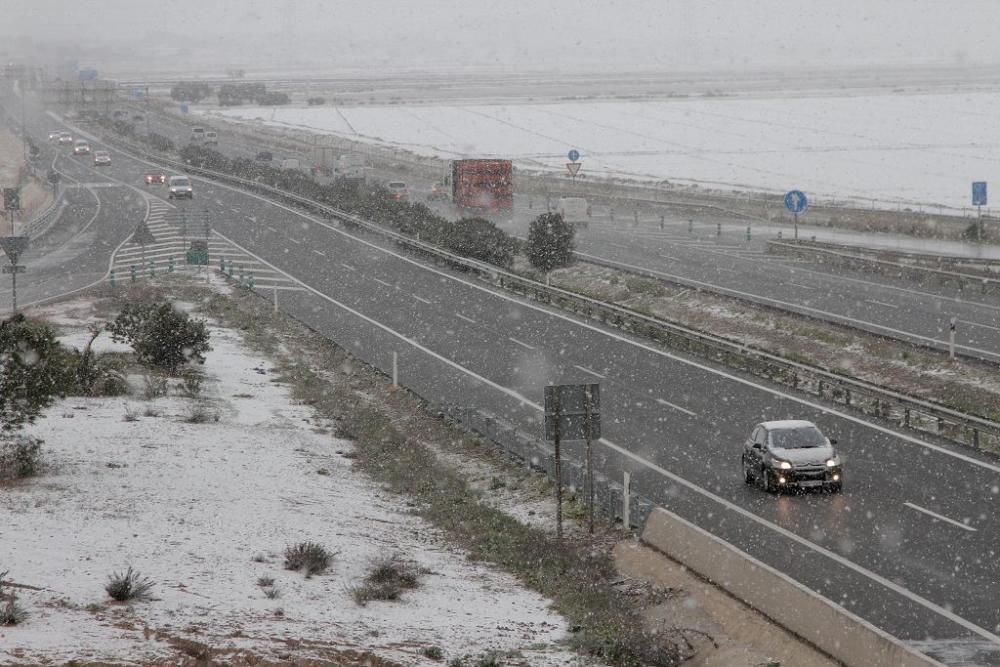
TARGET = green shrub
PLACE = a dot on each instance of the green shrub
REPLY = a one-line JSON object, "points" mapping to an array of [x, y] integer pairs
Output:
{"points": [[387, 578], [550, 242], [20, 456], [128, 585], [33, 371], [432, 652], [162, 336], [313, 557], [12, 613]]}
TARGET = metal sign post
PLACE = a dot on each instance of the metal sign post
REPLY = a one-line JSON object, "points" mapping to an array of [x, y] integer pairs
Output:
{"points": [[588, 404], [142, 236], [951, 337], [796, 202], [13, 246], [979, 201], [572, 411]]}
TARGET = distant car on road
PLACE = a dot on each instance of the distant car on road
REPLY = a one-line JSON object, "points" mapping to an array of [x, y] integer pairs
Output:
{"points": [[438, 192], [211, 138], [54, 135], [102, 159], [65, 138], [179, 187], [398, 190], [81, 147], [197, 135], [792, 453], [156, 178]]}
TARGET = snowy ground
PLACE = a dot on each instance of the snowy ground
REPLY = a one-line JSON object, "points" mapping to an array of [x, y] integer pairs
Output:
{"points": [[908, 148], [195, 506]]}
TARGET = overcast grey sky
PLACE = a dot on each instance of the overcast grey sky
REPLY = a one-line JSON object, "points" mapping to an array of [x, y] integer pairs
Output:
{"points": [[617, 33]]}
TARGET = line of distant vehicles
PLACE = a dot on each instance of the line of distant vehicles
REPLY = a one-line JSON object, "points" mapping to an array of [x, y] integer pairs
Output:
{"points": [[178, 186], [80, 147]]}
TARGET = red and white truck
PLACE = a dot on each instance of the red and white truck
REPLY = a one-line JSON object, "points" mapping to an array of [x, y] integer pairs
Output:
{"points": [[483, 184]]}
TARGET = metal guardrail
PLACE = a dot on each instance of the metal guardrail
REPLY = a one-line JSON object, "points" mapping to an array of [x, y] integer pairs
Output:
{"points": [[35, 226], [909, 266], [908, 411]]}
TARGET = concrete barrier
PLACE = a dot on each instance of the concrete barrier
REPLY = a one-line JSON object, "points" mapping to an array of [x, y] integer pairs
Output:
{"points": [[829, 627]]}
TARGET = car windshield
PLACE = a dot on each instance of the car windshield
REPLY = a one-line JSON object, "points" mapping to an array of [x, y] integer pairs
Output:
{"points": [[797, 438], [183, 182]]}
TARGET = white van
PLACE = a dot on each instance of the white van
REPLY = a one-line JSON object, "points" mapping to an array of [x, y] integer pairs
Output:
{"points": [[211, 138], [573, 209], [197, 135], [290, 163]]}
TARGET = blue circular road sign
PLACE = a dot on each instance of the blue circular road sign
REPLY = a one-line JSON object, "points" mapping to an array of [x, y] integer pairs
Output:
{"points": [[795, 201], [574, 155]]}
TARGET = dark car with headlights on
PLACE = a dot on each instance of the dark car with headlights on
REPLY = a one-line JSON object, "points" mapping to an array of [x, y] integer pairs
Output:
{"points": [[789, 454]]}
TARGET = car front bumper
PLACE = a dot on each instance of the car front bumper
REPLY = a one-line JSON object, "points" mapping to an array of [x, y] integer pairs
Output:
{"points": [[808, 477]]}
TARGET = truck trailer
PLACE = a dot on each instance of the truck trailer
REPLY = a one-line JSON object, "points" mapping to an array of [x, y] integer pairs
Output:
{"points": [[483, 184]]}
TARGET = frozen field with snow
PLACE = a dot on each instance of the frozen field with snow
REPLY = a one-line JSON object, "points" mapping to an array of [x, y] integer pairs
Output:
{"points": [[206, 509], [898, 149]]}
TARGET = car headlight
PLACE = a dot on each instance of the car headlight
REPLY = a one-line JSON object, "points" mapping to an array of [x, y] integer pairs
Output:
{"points": [[830, 463], [784, 465]]}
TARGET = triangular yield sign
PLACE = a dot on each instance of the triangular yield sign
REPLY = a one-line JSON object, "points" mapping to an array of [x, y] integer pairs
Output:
{"points": [[573, 167], [13, 246]]}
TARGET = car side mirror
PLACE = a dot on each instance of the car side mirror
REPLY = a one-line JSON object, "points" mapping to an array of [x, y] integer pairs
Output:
{"points": [[756, 445], [833, 441]]}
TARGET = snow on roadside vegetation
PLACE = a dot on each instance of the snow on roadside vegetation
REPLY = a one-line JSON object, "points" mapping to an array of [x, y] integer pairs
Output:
{"points": [[206, 509]]}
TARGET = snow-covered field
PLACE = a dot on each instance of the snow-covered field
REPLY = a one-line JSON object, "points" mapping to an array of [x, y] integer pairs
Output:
{"points": [[899, 148], [205, 509]]}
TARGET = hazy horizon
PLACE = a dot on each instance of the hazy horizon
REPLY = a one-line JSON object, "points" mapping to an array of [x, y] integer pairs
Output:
{"points": [[642, 34]]}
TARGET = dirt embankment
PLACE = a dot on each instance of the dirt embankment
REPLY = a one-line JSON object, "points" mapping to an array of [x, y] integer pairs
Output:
{"points": [[36, 196]]}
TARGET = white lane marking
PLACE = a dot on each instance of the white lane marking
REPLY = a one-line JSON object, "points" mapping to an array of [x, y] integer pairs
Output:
{"points": [[977, 324], [800, 286], [940, 517], [986, 634], [420, 298], [618, 245], [522, 344], [319, 252], [463, 317], [348, 267], [272, 229], [111, 262], [635, 343], [382, 282], [296, 242], [881, 303], [676, 407], [791, 306], [587, 370]]}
